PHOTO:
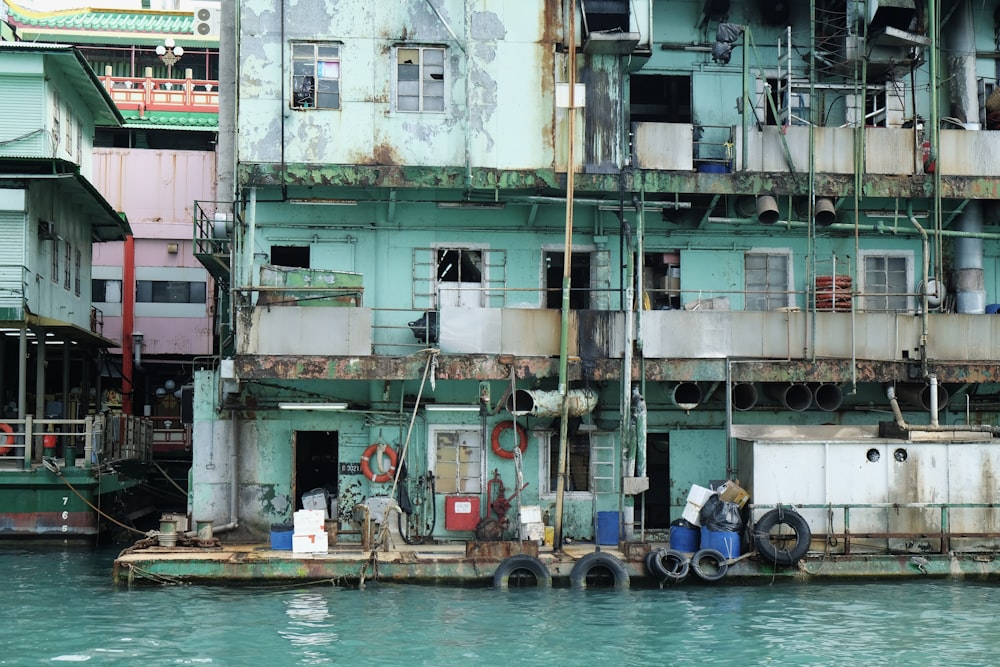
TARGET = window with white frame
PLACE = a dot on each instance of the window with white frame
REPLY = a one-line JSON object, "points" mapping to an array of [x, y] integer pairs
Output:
{"points": [[452, 275], [419, 78], [315, 75], [887, 278], [106, 290], [767, 278], [456, 459]]}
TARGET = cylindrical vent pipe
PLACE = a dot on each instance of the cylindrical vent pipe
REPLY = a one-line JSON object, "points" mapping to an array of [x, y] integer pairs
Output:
{"points": [[919, 395], [828, 397], [960, 38], [549, 403], [767, 209], [744, 396], [793, 396], [826, 212], [970, 292], [686, 395]]}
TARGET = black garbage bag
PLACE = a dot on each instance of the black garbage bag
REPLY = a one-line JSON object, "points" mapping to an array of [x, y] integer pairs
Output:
{"points": [[720, 516]]}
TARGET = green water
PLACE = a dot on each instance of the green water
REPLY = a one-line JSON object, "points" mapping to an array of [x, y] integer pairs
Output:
{"points": [[60, 605]]}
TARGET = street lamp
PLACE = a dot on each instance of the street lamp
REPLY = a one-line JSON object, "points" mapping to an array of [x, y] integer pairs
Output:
{"points": [[169, 54]]}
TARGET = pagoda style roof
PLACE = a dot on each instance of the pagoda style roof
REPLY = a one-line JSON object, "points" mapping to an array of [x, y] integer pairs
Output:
{"points": [[107, 26]]}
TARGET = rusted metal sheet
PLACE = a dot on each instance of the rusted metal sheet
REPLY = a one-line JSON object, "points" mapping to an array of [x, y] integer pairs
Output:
{"points": [[499, 550]]}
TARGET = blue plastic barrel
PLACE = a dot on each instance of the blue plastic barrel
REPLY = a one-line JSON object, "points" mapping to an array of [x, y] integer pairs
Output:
{"points": [[281, 536], [607, 527], [726, 543], [685, 538]]}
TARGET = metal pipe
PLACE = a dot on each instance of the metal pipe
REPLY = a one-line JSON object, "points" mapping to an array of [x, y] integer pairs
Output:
{"points": [[744, 396], [828, 397], [686, 395], [793, 396], [537, 403], [934, 400]]}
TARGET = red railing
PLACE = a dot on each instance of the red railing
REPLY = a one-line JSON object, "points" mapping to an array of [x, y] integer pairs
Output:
{"points": [[151, 94]]}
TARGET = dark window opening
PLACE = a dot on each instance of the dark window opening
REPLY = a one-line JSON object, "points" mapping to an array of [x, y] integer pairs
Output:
{"points": [[606, 15], [169, 291], [579, 295], [578, 460], [456, 265], [290, 255], [660, 99]]}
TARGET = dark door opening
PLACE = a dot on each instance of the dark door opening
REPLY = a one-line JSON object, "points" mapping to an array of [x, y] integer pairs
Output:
{"points": [[579, 276], [656, 500], [316, 463]]}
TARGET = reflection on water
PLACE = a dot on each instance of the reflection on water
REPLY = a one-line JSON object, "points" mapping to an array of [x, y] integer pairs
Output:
{"points": [[61, 606]]}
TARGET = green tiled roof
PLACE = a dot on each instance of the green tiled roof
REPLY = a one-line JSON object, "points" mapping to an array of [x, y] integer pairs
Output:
{"points": [[107, 26], [165, 120]]}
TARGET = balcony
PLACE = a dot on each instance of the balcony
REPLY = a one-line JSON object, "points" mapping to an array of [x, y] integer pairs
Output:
{"points": [[150, 95]]}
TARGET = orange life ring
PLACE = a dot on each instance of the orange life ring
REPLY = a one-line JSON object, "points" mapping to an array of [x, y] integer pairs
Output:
{"points": [[522, 436], [367, 469], [10, 438]]}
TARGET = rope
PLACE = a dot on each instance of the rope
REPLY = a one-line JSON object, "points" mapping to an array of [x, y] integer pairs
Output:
{"points": [[170, 479], [52, 467], [384, 531]]}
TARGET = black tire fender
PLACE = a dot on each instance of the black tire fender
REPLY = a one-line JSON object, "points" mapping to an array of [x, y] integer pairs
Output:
{"points": [[651, 561], [710, 564], [521, 563], [673, 565], [596, 560], [770, 551]]}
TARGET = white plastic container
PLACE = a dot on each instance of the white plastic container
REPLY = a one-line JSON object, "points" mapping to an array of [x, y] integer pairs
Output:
{"points": [[697, 497]]}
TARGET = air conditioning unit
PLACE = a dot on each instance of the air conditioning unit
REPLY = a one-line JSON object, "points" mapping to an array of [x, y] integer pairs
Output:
{"points": [[206, 19]]}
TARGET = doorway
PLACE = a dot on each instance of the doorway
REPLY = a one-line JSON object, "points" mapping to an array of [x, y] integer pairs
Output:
{"points": [[656, 500], [579, 296], [316, 463]]}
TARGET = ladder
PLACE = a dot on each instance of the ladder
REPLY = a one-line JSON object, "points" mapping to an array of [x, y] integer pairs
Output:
{"points": [[604, 473]]}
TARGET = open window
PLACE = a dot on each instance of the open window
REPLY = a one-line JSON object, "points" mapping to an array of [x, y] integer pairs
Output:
{"points": [[315, 75], [659, 98], [579, 473], [580, 283], [295, 256]]}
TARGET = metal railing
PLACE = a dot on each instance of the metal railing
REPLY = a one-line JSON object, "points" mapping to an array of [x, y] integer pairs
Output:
{"points": [[849, 538], [99, 439]]}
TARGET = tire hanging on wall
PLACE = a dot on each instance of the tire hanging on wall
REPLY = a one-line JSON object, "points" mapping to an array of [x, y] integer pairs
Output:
{"points": [[709, 564], [772, 551], [521, 568], [593, 564], [671, 565]]}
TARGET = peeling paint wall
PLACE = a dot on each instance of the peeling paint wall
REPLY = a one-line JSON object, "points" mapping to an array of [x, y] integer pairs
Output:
{"points": [[498, 84]]}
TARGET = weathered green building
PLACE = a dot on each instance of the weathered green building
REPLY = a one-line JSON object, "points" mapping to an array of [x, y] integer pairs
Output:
{"points": [[773, 216]]}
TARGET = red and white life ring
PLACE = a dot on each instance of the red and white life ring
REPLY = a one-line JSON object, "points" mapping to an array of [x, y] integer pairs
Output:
{"points": [[8, 441], [366, 468], [522, 436]]}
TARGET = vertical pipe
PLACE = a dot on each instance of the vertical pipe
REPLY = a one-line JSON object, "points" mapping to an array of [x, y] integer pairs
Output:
{"points": [[567, 266], [128, 323], [22, 390], [934, 400]]}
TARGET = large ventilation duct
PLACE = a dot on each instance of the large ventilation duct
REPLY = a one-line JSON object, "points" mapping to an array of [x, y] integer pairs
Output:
{"points": [[921, 395], [960, 37], [538, 403], [686, 395], [794, 396], [744, 396], [828, 397]]}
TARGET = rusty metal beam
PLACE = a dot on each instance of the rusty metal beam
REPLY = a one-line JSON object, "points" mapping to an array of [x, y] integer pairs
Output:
{"points": [[498, 367], [541, 181]]}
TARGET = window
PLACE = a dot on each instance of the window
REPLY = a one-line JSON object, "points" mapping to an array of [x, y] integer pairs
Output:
{"points": [[169, 291], [315, 76], [55, 260], [420, 79], [106, 291], [767, 276], [579, 277], [579, 475], [77, 262], [68, 266], [887, 277], [457, 462], [460, 277]]}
